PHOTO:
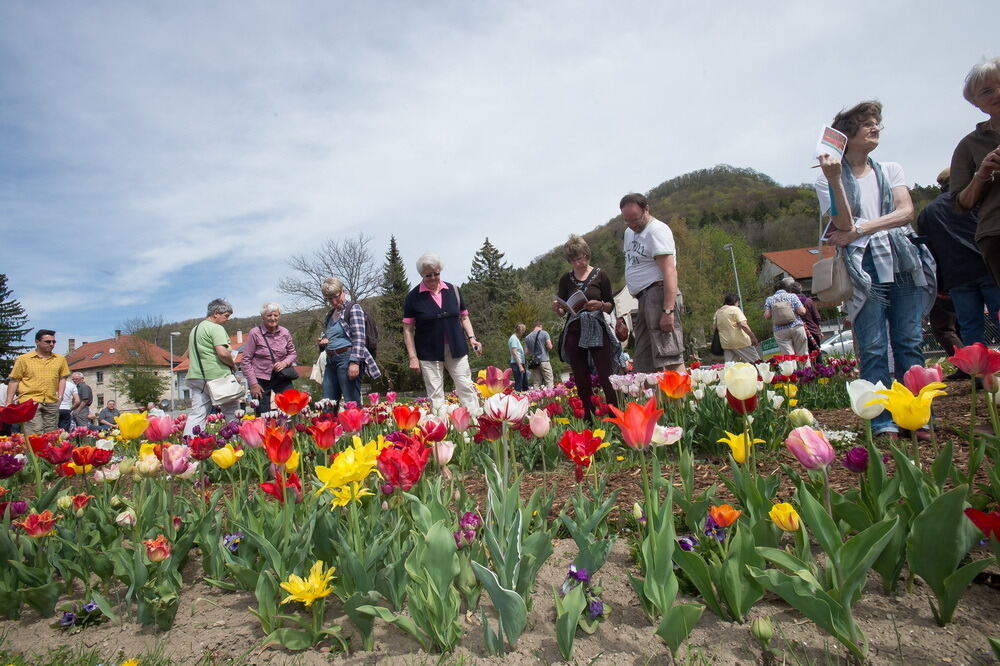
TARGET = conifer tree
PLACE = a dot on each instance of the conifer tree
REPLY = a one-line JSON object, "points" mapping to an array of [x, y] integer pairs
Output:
{"points": [[12, 328]]}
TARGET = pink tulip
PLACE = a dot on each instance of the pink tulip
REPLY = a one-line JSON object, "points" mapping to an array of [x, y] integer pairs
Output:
{"points": [[159, 428], [373, 398], [506, 407], [539, 422], [443, 451], [434, 428], [252, 432], [176, 459], [390, 396], [918, 377], [976, 360], [810, 447], [460, 419]]}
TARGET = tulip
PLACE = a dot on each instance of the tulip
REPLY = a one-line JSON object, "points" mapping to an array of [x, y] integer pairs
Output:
{"points": [[64, 502], [784, 516], [724, 515], [19, 412], [126, 518], [10, 465], [325, 433], [856, 459], [762, 629], [159, 428], [292, 401], [406, 417], [788, 368], [580, 448], [460, 419], [227, 456], [109, 473], [976, 359], [37, 525], [666, 435], [147, 466], [157, 549], [277, 487], [292, 463], [443, 451], [636, 422], [506, 407], [741, 380], [810, 447], [91, 455], [540, 423], [13, 509], [202, 447], [675, 384], [132, 424], [493, 380], [801, 417], [992, 384], [918, 377], [988, 523], [278, 444], [909, 411], [252, 432], [352, 419], [373, 398], [765, 372], [434, 428], [402, 465], [862, 392], [777, 400], [739, 446], [742, 406], [80, 502], [176, 459]]}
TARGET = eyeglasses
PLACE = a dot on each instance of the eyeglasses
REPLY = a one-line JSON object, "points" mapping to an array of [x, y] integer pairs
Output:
{"points": [[871, 124], [433, 275]]}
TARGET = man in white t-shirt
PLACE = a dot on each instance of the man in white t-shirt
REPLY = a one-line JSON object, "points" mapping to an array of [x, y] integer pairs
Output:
{"points": [[69, 400], [651, 277]]}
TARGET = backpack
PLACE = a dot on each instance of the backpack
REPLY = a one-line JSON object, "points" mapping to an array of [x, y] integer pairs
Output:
{"points": [[371, 329], [782, 313]]}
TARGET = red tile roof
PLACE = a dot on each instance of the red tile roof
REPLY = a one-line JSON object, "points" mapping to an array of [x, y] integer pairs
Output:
{"points": [[799, 262], [184, 362], [116, 351]]}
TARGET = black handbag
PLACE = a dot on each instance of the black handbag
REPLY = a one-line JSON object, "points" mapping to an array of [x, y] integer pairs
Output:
{"points": [[286, 374], [717, 344], [533, 361]]}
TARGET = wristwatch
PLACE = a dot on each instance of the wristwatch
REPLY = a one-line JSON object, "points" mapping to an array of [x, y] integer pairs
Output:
{"points": [[669, 311], [858, 230]]}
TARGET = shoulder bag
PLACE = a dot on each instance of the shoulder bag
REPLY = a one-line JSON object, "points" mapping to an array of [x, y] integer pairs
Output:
{"points": [[830, 280], [221, 390], [534, 362], [288, 373]]}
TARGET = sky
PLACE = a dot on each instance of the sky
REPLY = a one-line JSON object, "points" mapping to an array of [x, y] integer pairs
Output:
{"points": [[154, 156]]}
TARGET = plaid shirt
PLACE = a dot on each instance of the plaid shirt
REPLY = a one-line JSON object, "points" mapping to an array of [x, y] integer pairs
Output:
{"points": [[354, 324], [39, 377]]}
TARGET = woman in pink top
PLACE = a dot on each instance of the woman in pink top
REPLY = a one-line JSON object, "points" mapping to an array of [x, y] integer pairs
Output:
{"points": [[268, 350]]}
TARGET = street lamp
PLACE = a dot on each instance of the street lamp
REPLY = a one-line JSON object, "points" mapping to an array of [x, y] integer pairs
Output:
{"points": [[732, 255], [173, 377]]}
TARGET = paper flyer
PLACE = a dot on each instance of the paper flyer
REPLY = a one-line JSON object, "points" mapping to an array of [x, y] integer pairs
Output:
{"points": [[831, 142]]}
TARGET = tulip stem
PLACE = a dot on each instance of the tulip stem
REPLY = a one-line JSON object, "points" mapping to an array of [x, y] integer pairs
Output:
{"points": [[991, 405], [914, 449]]}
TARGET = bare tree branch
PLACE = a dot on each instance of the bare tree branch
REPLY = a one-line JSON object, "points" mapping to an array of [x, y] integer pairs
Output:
{"points": [[348, 259]]}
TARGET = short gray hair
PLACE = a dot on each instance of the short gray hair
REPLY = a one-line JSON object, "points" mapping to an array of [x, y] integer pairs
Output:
{"points": [[977, 76], [428, 260], [331, 287], [76, 374], [270, 307], [219, 306]]}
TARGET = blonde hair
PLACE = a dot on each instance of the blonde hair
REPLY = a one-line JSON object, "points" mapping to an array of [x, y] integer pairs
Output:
{"points": [[575, 247], [332, 287]]}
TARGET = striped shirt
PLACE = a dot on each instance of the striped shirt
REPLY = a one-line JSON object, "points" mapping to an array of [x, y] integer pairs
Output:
{"points": [[39, 377]]}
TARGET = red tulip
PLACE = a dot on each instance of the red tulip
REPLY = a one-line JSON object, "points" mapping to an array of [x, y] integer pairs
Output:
{"points": [[489, 430], [277, 487], [38, 525], [976, 360], [460, 419], [278, 444], [675, 384], [159, 428], [292, 401], [91, 455], [988, 523], [742, 406], [406, 417], [202, 448], [433, 428], [352, 420], [401, 465], [81, 501], [724, 515], [157, 549], [580, 447], [636, 422], [18, 413], [56, 455], [918, 377], [325, 433]]}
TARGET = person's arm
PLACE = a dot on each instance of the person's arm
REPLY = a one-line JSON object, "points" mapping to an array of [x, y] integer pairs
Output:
{"points": [[249, 349], [470, 334], [548, 341], [12, 391], [62, 388], [76, 402], [357, 333], [767, 308], [903, 214], [749, 331], [606, 303], [832, 170], [290, 354], [668, 266], [411, 346], [984, 173]]}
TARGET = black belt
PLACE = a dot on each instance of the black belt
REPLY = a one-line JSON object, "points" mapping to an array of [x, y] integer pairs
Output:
{"points": [[658, 283], [339, 351]]}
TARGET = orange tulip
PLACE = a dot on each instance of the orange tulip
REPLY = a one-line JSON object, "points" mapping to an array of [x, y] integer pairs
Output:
{"points": [[406, 417], [278, 445], [636, 422], [675, 384], [38, 524], [292, 401], [724, 515]]}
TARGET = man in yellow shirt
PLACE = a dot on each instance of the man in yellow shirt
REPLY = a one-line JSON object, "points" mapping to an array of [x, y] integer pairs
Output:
{"points": [[40, 375], [737, 338]]}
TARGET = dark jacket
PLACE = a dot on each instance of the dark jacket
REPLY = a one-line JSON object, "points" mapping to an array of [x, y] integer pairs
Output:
{"points": [[433, 324], [951, 237]]}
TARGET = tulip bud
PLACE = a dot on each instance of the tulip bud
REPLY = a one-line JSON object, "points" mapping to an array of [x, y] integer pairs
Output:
{"points": [[125, 518], [65, 502], [637, 512], [801, 417], [762, 629], [117, 501], [125, 466]]}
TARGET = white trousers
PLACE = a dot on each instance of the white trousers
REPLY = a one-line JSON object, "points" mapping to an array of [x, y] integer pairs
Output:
{"points": [[461, 375], [201, 406]]}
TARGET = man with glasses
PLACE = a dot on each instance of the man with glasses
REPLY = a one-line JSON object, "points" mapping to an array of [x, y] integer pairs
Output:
{"points": [[40, 375]]}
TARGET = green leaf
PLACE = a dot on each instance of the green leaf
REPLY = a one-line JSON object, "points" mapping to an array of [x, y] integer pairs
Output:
{"points": [[995, 645], [819, 522], [697, 571], [290, 639], [364, 622], [942, 466], [509, 604], [43, 598], [937, 542], [403, 622], [103, 605], [857, 556], [677, 624], [568, 612]]}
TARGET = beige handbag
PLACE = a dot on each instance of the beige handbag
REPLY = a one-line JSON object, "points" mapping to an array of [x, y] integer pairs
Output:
{"points": [[830, 280]]}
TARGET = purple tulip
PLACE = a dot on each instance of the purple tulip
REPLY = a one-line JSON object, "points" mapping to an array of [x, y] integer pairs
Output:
{"points": [[688, 543], [10, 465], [856, 459], [470, 521], [596, 609], [68, 619]]}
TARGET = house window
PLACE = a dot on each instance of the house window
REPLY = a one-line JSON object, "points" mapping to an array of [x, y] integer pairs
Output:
{"points": [[133, 353], [100, 376], [100, 399], [96, 356]]}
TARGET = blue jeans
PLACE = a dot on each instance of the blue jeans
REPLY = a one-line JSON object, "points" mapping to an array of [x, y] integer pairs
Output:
{"points": [[519, 378], [336, 385], [969, 300], [891, 316]]}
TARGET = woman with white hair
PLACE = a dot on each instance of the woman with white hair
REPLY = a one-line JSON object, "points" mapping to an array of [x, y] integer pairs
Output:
{"points": [[343, 339], [438, 333], [268, 358], [976, 163]]}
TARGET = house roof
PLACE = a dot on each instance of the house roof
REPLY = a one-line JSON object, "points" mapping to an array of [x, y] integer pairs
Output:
{"points": [[799, 262], [116, 351]]}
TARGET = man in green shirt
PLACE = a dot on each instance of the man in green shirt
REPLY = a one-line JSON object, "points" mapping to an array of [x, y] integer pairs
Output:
{"points": [[209, 357]]}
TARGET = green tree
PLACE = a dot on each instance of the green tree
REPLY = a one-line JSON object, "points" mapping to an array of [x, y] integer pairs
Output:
{"points": [[491, 276], [12, 328], [387, 310], [394, 282]]}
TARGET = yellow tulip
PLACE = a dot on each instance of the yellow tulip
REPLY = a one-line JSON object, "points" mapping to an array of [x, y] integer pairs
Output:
{"points": [[132, 424], [350, 493], [147, 449], [227, 456], [785, 516], [292, 463], [909, 411], [739, 445], [315, 586]]}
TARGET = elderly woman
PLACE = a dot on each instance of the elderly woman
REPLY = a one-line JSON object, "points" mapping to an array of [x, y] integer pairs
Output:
{"points": [[268, 353], [586, 334], [870, 210], [210, 358], [343, 340], [974, 168], [438, 333]]}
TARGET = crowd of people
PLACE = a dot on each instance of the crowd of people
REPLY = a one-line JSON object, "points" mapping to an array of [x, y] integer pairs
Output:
{"points": [[897, 278]]}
